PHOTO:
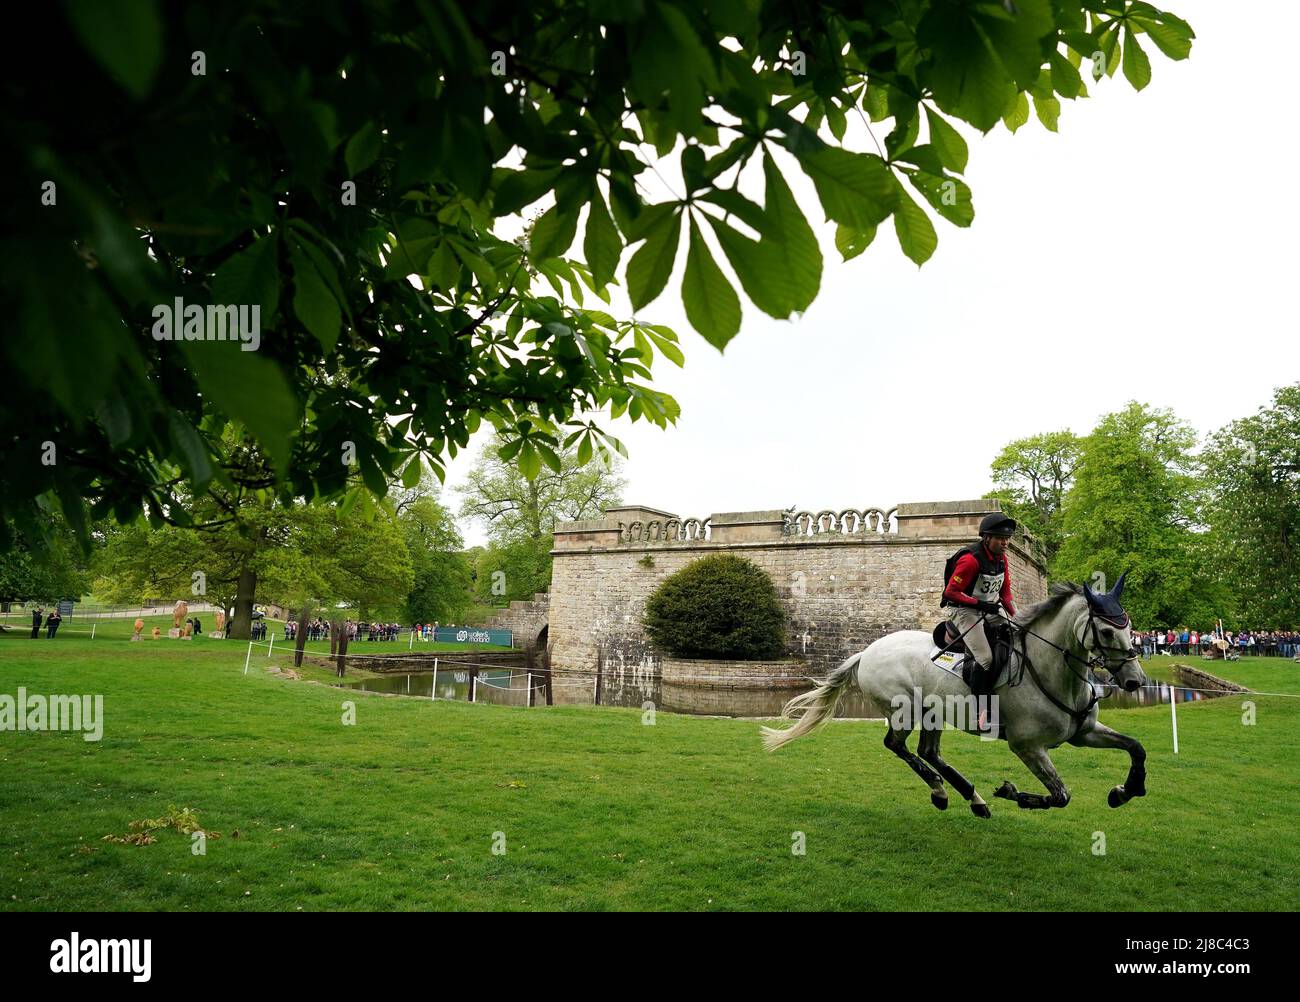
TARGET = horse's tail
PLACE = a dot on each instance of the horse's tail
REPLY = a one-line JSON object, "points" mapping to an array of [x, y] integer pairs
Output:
{"points": [[814, 708]]}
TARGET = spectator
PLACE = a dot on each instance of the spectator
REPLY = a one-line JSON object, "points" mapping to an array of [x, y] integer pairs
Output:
{"points": [[36, 622], [52, 623]]}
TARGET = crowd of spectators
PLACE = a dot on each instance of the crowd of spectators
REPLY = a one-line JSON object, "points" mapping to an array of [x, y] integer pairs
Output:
{"points": [[319, 629], [1184, 642]]}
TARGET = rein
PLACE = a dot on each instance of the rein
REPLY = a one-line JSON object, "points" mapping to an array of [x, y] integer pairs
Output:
{"points": [[1079, 716]]}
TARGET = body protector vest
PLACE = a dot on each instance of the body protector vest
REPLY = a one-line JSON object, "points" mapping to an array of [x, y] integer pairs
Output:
{"points": [[987, 585]]}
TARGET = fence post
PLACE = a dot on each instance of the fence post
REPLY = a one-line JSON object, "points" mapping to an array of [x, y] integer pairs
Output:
{"points": [[1173, 713], [247, 656], [433, 690], [530, 688], [93, 627]]}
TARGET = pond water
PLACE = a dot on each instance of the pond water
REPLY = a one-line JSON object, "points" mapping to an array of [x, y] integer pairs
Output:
{"points": [[505, 687]]}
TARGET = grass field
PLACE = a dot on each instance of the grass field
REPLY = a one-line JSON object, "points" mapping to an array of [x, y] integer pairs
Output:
{"points": [[598, 810]]}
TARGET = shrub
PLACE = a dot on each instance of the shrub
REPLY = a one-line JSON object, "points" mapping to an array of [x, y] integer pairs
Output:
{"points": [[720, 606]]}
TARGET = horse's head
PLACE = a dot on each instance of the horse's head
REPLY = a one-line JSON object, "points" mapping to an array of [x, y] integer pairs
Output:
{"points": [[1107, 634]]}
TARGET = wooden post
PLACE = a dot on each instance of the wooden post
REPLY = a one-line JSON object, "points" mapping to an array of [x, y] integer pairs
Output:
{"points": [[530, 688]]}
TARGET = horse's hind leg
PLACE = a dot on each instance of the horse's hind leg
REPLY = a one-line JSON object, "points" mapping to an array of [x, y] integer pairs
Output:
{"points": [[896, 742], [928, 748], [1041, 766], [1101, 736]]}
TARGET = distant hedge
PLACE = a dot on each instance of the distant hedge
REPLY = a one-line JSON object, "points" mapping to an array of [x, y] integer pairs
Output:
{"points": [[720, 607]]}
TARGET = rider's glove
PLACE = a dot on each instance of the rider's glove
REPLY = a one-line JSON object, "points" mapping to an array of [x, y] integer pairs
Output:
{"points": [[990, 608]]}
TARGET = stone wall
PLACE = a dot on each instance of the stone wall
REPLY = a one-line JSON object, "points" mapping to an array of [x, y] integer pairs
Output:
{"points": [[526, 618], [844, 578]]}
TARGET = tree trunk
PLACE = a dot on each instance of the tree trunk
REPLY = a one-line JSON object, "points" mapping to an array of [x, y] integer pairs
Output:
{"points": [[245, 590], [300, 640], [342, 632]]}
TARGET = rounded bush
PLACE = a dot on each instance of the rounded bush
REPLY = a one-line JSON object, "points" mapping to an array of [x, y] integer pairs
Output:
{"points": [[720, 607]]}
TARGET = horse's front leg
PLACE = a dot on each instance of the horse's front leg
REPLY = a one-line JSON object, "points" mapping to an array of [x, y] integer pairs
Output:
{"points": [[1035, 757], [1101, 736]]}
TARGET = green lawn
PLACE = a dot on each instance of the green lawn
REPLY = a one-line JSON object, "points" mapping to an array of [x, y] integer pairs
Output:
{"points": [[598, 810]]}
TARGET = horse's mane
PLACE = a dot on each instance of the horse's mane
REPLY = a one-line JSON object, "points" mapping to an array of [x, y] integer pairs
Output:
{"points": [[1057, 596]]}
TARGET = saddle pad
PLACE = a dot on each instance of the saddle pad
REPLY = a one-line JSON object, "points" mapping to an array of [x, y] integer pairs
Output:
{"points": [[948, 660]]}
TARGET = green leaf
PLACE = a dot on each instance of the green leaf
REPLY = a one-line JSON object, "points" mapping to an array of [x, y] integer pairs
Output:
{"points": [[1065, 78], [855, 188], [250, 277], [949, 196], [190, 445], [1137, 67], [664, 339], [915, 231], [553, 233], [765, 274], [444, 267], [602, 245], [519, 188], [876, 102], [947, 142], [712, 305], [549, 456], [530, 464], [124, 36], [248, 388], [1018, 113], [750, 213], [792, 239], [362, 149], [652, 264], [1173, 38], [1048, 110], [850, 242], [411, 475], [313, 302]]}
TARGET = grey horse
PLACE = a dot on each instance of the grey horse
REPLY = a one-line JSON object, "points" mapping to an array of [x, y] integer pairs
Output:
{"points": [[1043, 698]]}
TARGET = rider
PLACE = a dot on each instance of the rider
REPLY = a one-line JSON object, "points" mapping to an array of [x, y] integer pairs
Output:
{"points": [[980, 586]]}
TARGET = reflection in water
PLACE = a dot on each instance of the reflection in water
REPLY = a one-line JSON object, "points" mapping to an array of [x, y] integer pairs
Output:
{"points": [[504, 687], [495, 685]]}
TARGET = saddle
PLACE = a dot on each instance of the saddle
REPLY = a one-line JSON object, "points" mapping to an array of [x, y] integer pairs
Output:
{"points": [[947, 638]]}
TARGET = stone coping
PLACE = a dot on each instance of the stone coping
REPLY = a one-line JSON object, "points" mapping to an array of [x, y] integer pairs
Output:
{"points": [[732, 674], [824, 539], [1206, 678]]}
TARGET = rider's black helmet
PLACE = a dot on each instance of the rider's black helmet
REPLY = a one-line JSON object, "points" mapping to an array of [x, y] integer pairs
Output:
{"points": [[998, 524]]}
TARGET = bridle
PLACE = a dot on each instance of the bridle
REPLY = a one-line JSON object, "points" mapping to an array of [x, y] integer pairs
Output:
{"points": [[1097, 661]]}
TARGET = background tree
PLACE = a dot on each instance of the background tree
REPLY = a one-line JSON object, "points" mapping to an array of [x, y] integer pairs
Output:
{"points": [[47, 569], [322, 554], [1031, 476], [1135, 506], [1253, 468], [520, 515], [443, 573], [309, 162]]}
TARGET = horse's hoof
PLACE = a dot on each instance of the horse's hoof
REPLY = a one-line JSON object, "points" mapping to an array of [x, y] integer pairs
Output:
{"points": [[939, 800], [981, 810], [1117, 797], [1006, 791]]}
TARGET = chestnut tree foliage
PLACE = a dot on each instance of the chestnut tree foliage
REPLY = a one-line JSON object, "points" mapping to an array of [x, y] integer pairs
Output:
{"points": [[351, 168]]}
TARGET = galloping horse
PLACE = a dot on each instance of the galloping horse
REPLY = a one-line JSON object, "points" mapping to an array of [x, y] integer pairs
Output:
{"points": [[1043, 699]]}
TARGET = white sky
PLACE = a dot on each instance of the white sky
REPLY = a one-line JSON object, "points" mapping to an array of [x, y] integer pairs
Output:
{"points": [[1143, 252]]}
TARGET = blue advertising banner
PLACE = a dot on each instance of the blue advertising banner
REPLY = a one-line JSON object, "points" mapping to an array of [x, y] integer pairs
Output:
{"points": [[474, 635]]}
